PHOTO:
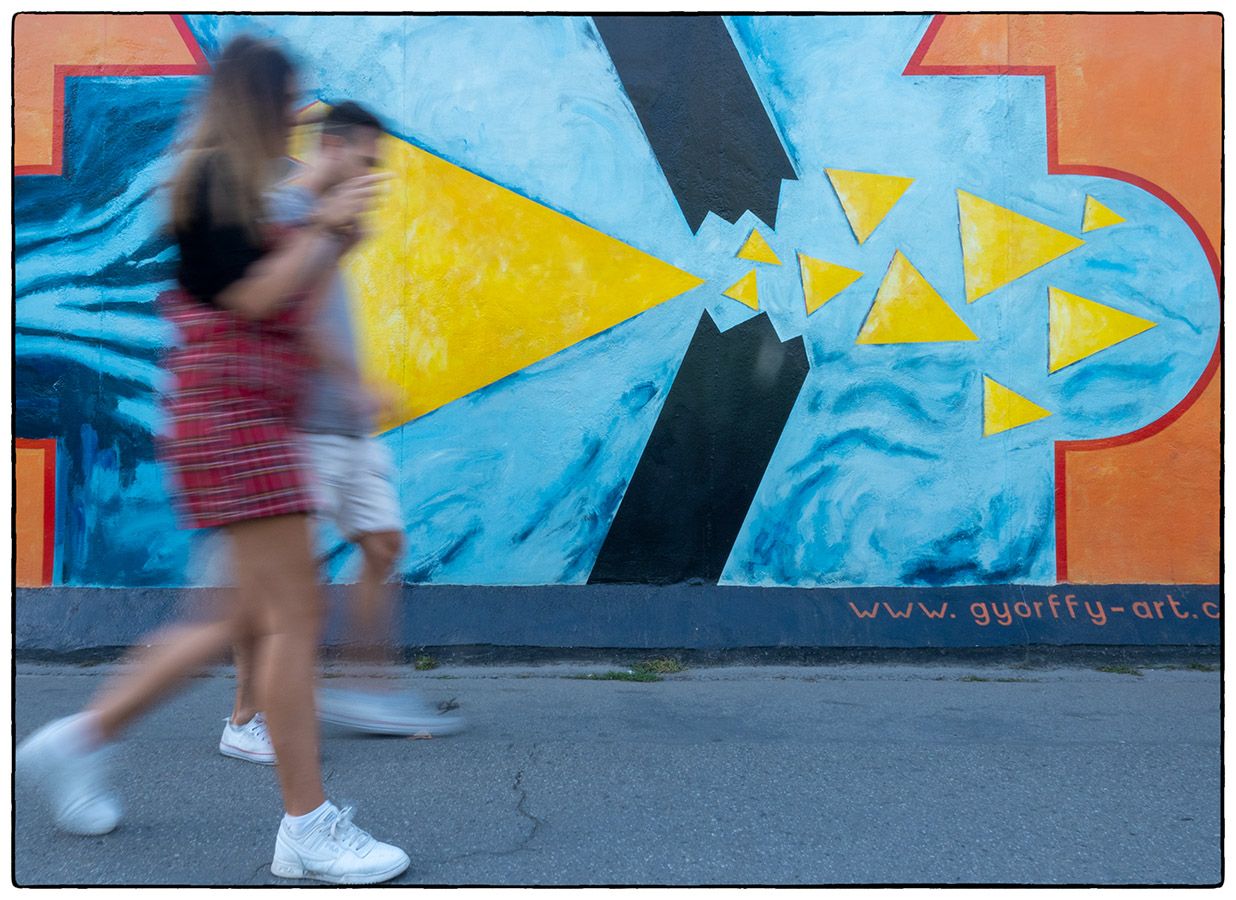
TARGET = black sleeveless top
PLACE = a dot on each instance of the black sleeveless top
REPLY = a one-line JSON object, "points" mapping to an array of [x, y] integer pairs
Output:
{"points": [[213, 255]]}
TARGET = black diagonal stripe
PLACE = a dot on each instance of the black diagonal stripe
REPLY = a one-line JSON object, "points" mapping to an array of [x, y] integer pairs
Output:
{"points": [[706, 456], [701, 113]]}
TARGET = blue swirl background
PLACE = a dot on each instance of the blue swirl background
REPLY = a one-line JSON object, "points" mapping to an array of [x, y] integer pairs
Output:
{"points": [[881, 476]]}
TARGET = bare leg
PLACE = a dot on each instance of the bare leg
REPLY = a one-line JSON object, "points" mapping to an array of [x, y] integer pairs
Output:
{"points": [[277, 579], [372, 607], [244, 655], [379, 705], [177, 652], [371, 616]]}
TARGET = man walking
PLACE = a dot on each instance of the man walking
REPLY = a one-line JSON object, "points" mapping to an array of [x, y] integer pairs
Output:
{"points": [[353, 472]]}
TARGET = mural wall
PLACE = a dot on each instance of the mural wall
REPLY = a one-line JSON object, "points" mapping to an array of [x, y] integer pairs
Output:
{"points": [[847, 301]]}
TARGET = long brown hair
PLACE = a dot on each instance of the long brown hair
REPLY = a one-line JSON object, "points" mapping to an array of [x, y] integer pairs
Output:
{"points": [[242, 130]]}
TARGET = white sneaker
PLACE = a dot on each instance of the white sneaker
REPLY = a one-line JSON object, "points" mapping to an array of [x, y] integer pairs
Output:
{"points": [[249, 741], [381, 712], [336, 850], [72, 782]]}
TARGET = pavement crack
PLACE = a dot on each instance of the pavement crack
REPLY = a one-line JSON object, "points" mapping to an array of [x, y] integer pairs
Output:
{"points": [[262, 867], [521, 809]]}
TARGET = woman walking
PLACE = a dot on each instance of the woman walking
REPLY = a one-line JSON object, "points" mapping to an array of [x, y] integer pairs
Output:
{"points": [[246, 292]]}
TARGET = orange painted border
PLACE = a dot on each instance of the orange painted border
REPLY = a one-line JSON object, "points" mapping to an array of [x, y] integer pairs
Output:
{"points": [[201, 67], [916, 66], [48, 446]]}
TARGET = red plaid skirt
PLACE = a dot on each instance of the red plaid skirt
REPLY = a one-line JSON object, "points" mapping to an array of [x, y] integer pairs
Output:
{"points": [[229, 440]]}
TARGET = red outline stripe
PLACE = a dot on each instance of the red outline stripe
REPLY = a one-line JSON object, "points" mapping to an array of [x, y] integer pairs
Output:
{"points": [[61, 72], [49, 510], [48, 448], [186, 34], [916, 66]]}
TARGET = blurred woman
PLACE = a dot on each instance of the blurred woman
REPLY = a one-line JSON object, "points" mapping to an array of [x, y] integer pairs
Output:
{"points": [[246, 292]]}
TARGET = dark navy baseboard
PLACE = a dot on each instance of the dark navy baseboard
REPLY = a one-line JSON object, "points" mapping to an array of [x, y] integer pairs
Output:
{"points": [[684, 616]]}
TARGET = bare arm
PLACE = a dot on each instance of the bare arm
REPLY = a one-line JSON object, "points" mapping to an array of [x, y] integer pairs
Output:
{"points": [[310, 253]]}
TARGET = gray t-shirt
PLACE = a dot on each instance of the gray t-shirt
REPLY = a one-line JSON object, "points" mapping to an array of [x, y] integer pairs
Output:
{"points": [[332, 401]]}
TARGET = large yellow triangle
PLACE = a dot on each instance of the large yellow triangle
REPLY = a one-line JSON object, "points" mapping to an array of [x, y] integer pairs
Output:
{"points": [[1098, 216], [464, 282], [866, 197], [999, 245], [1004, 409], [908, 310], [822, 281], [756, 249], [744, 290], [1079, 328]]}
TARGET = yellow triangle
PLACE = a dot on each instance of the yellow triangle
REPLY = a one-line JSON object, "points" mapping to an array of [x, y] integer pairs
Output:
{"points": [[866, 197], [1098, 216], [464, 282], [1081, 328], [756, 249], [1004, 409], [822, 281], [744, 290], [999, 245], [908, 310]]}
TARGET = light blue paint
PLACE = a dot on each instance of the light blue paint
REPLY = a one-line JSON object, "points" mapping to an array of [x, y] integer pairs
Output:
{"points": [[881, 476], [517, 483], [531, 102], [914, 494]]}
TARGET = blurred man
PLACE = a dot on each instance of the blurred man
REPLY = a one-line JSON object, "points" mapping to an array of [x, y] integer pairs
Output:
{"points": [[354, 475]]}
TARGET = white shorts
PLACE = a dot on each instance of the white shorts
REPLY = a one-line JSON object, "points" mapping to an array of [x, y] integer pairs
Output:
{"points": [[353, 483]]}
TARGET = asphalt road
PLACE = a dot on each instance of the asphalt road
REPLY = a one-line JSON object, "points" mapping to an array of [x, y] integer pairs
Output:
{"points": [[816, 775]]}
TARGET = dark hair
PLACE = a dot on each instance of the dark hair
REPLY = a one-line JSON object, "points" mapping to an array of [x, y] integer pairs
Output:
{"points": [[345, 116]]}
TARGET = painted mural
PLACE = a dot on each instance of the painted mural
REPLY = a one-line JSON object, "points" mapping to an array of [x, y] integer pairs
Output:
{"points": [[759, 301]]}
